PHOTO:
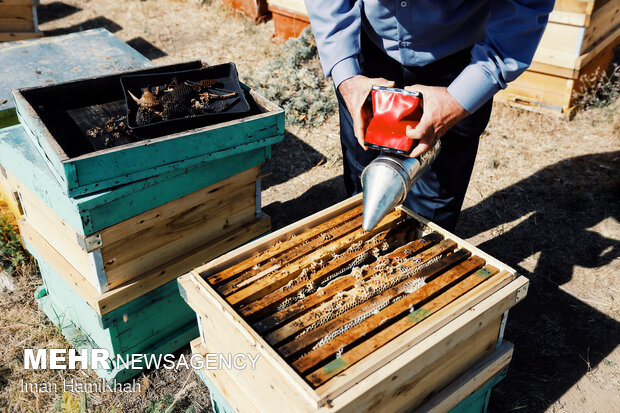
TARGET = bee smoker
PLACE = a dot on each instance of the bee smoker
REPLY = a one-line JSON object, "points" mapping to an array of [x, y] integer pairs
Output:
{"points": [[386, 181]]}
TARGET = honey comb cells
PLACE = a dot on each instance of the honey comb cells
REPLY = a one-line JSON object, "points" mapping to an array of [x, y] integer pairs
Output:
{"points": [[331, 295]]}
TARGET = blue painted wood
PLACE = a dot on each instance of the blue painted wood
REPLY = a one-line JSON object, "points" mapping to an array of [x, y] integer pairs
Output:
{"points": [[91, 213], [139, 160], [51, 60]]}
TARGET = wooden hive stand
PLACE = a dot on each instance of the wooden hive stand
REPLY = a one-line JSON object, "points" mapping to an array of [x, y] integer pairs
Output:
{"points": [[18, 20], [348, 320], [579, 42]]}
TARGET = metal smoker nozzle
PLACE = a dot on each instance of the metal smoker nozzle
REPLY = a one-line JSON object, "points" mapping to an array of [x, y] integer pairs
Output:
{"points": [[387, 180]]}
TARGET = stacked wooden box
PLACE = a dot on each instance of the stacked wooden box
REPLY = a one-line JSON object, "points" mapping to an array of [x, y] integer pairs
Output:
{"points": [[290, 18], [18, 20], [402, 317], [112, 228], [579, 41]]}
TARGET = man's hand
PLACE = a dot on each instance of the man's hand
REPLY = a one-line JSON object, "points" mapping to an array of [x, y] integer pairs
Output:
{"points": [[441, 112], [355, 91]]}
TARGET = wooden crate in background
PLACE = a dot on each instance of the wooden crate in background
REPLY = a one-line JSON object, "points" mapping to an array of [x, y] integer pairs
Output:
{"points": [[253, 9], [579, 41], [290, 18], [18, 20]]}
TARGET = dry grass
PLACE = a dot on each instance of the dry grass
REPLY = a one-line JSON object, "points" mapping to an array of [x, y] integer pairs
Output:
{"points": [[544, 198]]}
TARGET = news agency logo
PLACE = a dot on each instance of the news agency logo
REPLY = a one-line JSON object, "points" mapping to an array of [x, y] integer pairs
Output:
{"points": [[96, 359]]}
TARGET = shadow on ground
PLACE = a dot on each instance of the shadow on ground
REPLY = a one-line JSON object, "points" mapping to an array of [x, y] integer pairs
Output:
{"points": [[96, 23], [317, 198], [146, 49], [557, 337], [291, 158], [54, 11]]}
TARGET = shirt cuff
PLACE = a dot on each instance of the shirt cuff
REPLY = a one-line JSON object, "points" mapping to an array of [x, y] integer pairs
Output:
{"points": [[473, 87], [345, 69]]}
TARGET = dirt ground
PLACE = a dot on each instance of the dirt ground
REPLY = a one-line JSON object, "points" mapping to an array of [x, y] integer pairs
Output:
{"points": [[544, 198]]}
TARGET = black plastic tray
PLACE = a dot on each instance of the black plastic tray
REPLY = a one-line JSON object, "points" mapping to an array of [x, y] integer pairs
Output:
{"points": [[226, 76]]}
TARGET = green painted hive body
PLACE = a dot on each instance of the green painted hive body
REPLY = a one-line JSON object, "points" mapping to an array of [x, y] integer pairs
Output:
{"points": [[159, 322]]}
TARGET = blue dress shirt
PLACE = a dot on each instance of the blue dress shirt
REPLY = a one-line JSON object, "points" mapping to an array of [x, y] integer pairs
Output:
{"points": [[504, 35]]}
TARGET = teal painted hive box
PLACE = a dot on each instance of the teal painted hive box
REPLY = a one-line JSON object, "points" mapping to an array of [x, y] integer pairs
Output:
{"points": [[160, 218], [159, 322], [58, 119], [60, 59]]}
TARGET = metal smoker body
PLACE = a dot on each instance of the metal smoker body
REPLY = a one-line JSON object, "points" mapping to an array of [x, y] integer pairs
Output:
{"points": [[386, 181]]}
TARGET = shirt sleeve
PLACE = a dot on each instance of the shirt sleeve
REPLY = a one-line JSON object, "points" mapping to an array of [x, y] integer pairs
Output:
{"points": [[336, 27], [513, 31]]}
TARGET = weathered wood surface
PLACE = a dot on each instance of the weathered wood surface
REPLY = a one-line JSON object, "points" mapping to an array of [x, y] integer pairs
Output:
{"points": [[135, 246], [90, 214], [104, 303], [60, 59]]}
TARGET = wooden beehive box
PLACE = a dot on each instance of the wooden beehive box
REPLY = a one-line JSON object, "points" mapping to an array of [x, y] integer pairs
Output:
{"points": [[349, 320], [158, 218], [579, 40], [290, 18], [18, 20], [58, 117]]}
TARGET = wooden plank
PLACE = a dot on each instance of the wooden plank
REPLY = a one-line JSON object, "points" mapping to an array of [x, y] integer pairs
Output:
{"points": [[18, 2], [604, 21], [364, 310], [310, 317], [470, 382], [575, 6], [16, 24], [274, 281], [106, 302], [22, 12], [235, 213], [334, 268], [293, 241], [15, 36], [281, 261], [297, 6]]}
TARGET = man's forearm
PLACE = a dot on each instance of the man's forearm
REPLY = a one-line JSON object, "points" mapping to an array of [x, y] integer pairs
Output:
{"points": [[336, 27]]}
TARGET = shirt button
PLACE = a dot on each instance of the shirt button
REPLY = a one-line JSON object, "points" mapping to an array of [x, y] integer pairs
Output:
{"points": [[403, 4]]}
